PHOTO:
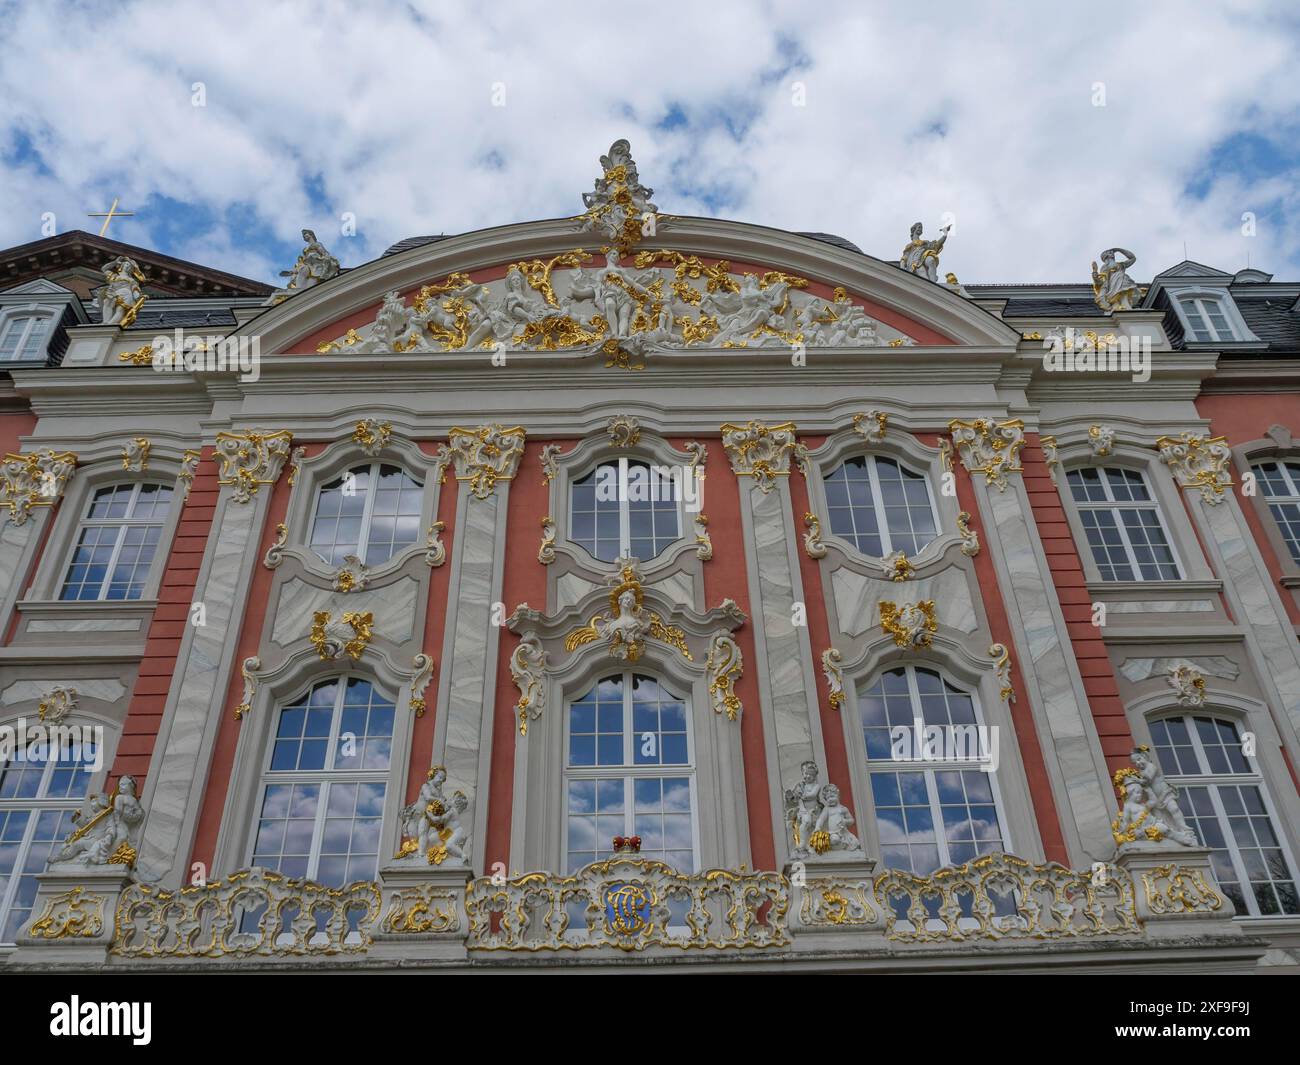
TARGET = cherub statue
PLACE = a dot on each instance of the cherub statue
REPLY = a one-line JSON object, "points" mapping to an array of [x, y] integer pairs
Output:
{"points": [[833, 824], [415, 823], [741, 314], [452, 836], [921, 256], [1112, 288], [121, 298], [396, 328], [106, 827], [1162, 797], [803, 807]]}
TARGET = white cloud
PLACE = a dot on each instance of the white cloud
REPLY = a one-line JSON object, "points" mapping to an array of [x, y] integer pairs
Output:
{"points": [[386, 111]]}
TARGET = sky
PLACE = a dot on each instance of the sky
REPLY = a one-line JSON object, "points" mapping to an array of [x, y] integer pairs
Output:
{"points": [[1045, 132]]}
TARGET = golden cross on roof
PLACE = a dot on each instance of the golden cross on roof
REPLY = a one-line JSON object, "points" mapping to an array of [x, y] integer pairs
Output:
{"points": [[109, 215]]}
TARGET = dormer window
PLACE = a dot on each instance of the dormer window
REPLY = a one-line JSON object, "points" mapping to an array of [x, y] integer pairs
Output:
{"points": [[1205, 319], [23, 337]]}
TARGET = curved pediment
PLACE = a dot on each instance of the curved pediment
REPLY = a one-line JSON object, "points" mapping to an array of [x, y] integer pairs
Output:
{"points": [[624, 281]]}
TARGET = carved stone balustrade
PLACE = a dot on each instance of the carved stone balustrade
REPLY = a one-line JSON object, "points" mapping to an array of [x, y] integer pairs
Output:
{"points": [[631, 904], [1000, 896], [255, 912]]}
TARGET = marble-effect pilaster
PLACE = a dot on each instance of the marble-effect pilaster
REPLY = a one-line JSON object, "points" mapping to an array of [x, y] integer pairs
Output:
{"points": [[178, 772], [1064, 719]]}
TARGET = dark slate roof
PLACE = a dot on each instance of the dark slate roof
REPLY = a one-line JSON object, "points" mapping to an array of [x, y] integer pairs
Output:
{"points": [[1051, 308], [1271, 319], [1173, 324], [414, 242], [833, 240], [161, 319]]}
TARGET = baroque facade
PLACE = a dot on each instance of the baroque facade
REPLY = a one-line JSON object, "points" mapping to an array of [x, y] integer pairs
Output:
{"points": [[631, 590]]}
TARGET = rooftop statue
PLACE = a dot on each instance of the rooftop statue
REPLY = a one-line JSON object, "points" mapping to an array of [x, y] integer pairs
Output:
{"points": [[1112, 288], [922, 256]]}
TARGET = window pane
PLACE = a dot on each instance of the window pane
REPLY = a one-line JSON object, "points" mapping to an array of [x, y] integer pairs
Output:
{"points": [[850, 509]]}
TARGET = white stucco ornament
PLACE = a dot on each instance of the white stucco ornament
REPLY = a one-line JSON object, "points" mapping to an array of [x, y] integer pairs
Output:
{"points": [[763, 452], [1198, 462], [121, 297], [482, 456], [989, 447], [34, 480], [527, 670], [1101, 440], [619, 207], [1112, 288], [1189, 684]]}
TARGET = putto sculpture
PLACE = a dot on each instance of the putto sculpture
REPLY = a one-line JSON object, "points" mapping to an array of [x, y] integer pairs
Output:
{"points": [[819, 822], [1149, 809], [1112, 288], [106, 829], [431, 825], [921, 256]]}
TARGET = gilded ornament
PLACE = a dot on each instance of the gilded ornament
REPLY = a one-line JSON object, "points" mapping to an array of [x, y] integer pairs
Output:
{"points": [[135, 455], [990, 447], [275, 553], [898, 567], [912, 625], [56, 704], [251, 459], [527, 669], [704, 545], [189, 467], [423, 673], [831, 659], [1002, 669], [372, 436], [763, 452], [483, 456], [248, 670], [36, 479], [435, 551], [723, 666], [546, 553], [142, 356], [812, 539], [75, 914], [871, 426], [970, 541], [1198, 462]]}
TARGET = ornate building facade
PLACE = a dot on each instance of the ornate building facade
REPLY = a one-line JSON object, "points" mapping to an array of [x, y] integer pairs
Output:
{"points": [[636, 590]]}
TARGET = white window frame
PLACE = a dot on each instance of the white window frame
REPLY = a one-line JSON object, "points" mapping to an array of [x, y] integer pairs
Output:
{"points": [[121, 524], [324, 777], [1211, 781], [929, 768], [363, 536], [36, 805], [1280, 461], [878, 503], [1152, 502], [624, 508], [629, 772], [30, 318], [1189, 304]]}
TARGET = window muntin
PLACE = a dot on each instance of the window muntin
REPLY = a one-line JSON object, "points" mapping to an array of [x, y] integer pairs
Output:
{"points": [[1221, 793], [863, 488], [372, 511], [37, 800], [629, 772], [116, 542], [23, 337], [321, 807], [1280, 482], [1122, 523], [1205, 318], [934, 813], [624, 507]]}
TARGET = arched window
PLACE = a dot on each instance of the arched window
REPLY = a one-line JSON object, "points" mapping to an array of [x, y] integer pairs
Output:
{"points": [[1222, 795], [630, 772], [116, 542], [322, 801], [880, 506], [23, 337], [1281, 484], [931, 812], [625, 507], [372, 511], [1205, 318], [1122, 522], [38, 796]]}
